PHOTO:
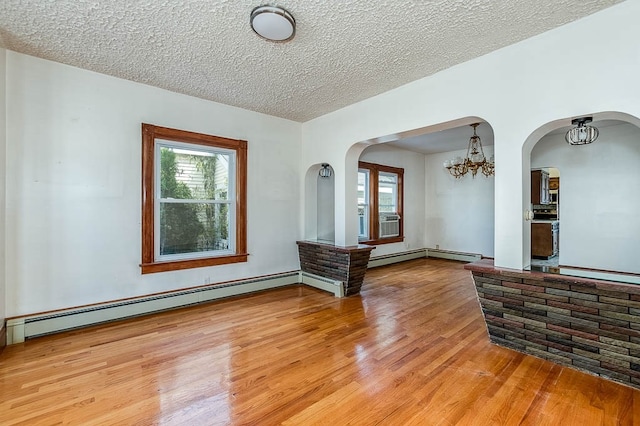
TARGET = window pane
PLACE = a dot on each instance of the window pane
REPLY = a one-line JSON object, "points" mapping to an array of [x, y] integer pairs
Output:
{"points": [[363, 187], [387, 192], [193, 227], [191, 174], [363, 204]]}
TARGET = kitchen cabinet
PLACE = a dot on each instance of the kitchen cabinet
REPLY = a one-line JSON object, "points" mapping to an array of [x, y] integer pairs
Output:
{"points": [[544, 239], [540, 187]]}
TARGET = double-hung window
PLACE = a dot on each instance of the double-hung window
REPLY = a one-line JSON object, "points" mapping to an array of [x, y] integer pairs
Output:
{"points": [[363, 204], [193, 201], [380, 203]]}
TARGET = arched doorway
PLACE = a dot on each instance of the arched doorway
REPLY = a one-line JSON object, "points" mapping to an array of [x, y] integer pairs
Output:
{"points": [[598, 208]]}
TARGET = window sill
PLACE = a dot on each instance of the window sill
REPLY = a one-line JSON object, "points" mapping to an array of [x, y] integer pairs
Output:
{"points": [[175, 265], [381, 241]]}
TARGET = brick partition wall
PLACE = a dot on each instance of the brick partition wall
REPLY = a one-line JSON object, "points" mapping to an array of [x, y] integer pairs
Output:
{"points": [[346, 264], [587, 324]]}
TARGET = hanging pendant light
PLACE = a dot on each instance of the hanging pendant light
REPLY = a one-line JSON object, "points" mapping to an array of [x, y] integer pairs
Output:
{"points": [[325, 171], [582, 134], [474, 161]]}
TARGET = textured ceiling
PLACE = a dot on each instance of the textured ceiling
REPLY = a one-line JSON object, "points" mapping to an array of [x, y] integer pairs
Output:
{"points": [[343, 51]]}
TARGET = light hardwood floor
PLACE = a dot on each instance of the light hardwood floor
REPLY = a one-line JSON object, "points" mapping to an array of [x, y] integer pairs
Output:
{"points": [[412, 350]]}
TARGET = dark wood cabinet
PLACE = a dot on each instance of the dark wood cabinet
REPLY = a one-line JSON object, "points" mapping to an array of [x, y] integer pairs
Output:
{"points": [[544, 239], [540, 187]]}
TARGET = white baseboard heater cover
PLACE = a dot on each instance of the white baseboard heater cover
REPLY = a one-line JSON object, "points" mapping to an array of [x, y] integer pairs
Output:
{"points": [[19, 329], [389, 259], [453, 255], [322, 283]]}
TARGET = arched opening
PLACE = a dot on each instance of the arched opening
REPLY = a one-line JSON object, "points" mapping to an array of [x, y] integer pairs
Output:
{"points": [[545, 225], [326, 204], [598, 206], [319, 223], [440, 212]]}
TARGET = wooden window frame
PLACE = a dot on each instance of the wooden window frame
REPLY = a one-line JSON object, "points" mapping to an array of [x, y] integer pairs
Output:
{"points": [[374, 216], [150, 133]]}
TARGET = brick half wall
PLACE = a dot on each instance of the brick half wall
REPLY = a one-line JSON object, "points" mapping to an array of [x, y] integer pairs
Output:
{"points": [[590, 325], [346, 264]]}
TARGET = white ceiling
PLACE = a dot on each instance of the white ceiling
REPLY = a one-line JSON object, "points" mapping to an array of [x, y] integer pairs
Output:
{"points": [[453, 139], [457, 138], [343, 51]]}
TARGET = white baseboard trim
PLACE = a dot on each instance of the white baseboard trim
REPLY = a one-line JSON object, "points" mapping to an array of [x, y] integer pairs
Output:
{"points": [[453, 255], [322, 283], [388, 259], [19, 329]]}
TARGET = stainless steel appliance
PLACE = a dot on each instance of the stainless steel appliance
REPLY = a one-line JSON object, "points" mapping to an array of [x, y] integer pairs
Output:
{"points": [[545, 212]]}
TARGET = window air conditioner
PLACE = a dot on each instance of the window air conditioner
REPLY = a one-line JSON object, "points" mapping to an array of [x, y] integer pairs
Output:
{"points": [[389, 225]]}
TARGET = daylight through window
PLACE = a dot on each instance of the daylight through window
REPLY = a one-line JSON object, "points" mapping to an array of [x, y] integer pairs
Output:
{"points": [[193, 200], [380, 203]]}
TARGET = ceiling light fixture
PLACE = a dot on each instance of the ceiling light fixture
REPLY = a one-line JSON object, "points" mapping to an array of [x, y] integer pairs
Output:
{"points": [[474, 161], [582, 134], [273, 23], [325, 171]]}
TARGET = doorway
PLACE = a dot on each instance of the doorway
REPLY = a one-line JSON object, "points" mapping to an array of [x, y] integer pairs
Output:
{"points": [[545, 226]]}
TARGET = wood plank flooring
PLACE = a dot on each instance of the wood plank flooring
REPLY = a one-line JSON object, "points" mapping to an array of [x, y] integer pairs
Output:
{"points": [[412, 350]]}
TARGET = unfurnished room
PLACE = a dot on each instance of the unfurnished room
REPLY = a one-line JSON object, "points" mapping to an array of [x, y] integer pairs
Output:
{"points": [[354, 213]]}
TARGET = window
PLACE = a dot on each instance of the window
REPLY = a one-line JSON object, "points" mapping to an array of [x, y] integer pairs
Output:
{"points": [[193, 200], [363, 204], [380, 201]]}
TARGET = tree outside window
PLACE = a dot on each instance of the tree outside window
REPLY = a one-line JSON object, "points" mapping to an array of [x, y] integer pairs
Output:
{"points": [[197, 216]]}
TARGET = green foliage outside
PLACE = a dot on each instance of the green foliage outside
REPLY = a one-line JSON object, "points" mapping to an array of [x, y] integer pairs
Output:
{"points": [[216, 234], [191, 227], [179, 224]]}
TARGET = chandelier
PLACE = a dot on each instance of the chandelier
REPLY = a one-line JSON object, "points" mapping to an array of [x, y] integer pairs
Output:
{"points": [[474, 161], [582, 134]]}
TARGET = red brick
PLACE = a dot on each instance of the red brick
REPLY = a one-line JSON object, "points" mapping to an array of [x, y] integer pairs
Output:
{"points": [[503, 299], [521, 286], [504, 321], [621, 330], [573, 332], [573, 307]]}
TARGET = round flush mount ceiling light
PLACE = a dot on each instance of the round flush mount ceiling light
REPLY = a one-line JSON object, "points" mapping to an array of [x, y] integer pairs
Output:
{"points": [[273, 23]]}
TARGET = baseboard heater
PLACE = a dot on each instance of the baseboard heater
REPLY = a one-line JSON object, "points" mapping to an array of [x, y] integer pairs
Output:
{"points": [[19, 329], [322, 283], [388, 259], [421, 253], [453, 255]]}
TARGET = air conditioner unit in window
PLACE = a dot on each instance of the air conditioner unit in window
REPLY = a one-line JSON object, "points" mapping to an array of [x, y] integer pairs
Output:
{"points": [[389, 225]]}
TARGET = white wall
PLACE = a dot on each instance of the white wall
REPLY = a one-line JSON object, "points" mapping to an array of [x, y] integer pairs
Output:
{"points": [[459, 212], [73, 185], [414, 198], [518, 90], [326, 208], [599, 197], [3, 150], [456, 214]]}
